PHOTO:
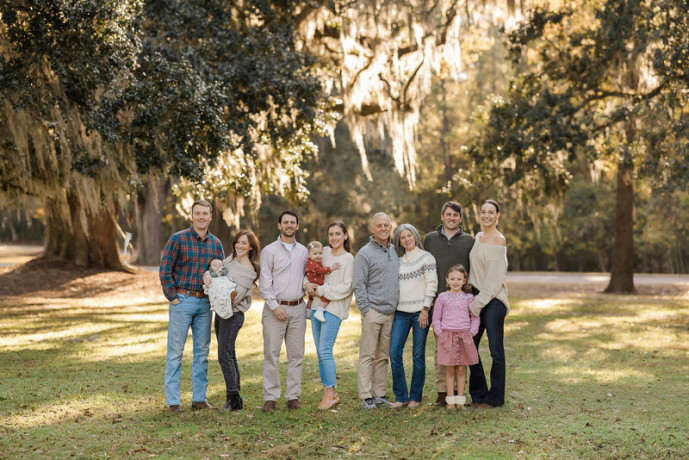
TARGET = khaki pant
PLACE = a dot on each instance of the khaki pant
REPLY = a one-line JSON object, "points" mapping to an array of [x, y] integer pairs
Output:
{"points": [[440, 374], [374, 353], [292, 331]]}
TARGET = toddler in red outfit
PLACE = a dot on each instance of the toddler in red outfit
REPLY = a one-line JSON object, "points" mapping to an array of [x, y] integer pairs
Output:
{"points": [[315, 272]]}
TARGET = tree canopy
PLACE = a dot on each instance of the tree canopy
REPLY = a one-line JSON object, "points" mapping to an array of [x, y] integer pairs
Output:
{"points": [[97, 94], [609, 82]]}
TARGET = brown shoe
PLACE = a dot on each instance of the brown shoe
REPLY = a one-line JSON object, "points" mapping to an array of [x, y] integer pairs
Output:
{"points": [[482, 405], [201, 405], [441, 399], [268, 406], [293, 404], [175, 408], [413, 404]]}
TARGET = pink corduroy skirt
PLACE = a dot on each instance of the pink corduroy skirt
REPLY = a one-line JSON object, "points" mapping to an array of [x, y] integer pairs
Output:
{"points": [[456, 348]]}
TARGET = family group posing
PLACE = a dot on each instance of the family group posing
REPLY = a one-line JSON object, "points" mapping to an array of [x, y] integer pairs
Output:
{"points": [[452, 281]]}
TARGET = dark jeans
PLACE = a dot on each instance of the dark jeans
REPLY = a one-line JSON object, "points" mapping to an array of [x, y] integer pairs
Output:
{"points": [[493, 323], [401, 325], [226, 331]]}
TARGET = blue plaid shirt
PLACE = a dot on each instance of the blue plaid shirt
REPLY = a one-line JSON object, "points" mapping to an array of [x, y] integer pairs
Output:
{"points": [[185, 259]]}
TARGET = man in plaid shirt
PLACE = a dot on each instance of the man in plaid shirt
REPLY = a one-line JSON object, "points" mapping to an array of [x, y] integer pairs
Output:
{"points": [[185, 258]]}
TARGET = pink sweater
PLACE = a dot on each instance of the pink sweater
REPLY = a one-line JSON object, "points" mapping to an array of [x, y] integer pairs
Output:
{"points": [[451, 312]]}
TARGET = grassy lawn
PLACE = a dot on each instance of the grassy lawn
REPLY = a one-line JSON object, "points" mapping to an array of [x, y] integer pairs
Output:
{"points": [[82, 358]]}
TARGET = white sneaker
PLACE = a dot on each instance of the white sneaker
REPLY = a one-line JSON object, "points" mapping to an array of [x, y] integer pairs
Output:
{"points": [[319, 316]]}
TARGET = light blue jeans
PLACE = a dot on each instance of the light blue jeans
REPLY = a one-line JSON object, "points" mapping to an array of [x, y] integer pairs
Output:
{"points": [[324, 335], [195, 313]]}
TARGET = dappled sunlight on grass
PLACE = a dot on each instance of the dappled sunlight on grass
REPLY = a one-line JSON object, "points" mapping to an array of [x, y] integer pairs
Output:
{"points": [[589, 375]]}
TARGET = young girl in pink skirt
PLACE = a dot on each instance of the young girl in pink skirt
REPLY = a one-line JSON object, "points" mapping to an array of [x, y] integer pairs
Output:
{"points": [[455, 326]]}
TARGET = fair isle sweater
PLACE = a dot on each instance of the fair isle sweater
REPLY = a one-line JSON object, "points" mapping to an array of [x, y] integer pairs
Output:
{"points": [[452, 313], [418, 280]]}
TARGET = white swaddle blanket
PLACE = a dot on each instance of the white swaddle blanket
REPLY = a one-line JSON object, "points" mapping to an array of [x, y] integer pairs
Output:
{"points": [[219, 295]]}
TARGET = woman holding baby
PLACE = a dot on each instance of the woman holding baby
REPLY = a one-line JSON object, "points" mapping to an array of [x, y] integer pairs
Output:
{"points": [[243, 269], [337, 289]]}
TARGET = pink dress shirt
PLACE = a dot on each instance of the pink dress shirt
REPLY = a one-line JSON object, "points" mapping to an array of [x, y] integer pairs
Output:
{"points": [[282, 273]]}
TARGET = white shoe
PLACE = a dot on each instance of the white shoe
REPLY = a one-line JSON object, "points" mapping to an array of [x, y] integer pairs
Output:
{"points": [[319, 316]]}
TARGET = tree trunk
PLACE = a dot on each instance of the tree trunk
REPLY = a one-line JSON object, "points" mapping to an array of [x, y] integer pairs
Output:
{"points": [[9, 218], [149, 217], [622, 272], [223, 232], [87, 239]]}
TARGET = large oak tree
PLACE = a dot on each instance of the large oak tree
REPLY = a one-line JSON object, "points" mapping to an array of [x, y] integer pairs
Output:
{"points": [[609, 81]]}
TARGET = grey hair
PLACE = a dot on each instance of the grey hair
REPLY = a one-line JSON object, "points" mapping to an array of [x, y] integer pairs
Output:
{"points": [[378, 214], [398, 232]]}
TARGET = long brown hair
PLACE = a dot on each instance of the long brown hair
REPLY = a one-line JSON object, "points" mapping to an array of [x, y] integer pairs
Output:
{"points": [[253, 252], [338, 223]]}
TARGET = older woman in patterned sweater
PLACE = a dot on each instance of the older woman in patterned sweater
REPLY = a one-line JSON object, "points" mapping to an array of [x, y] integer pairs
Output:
{"points": [[418, 284]]}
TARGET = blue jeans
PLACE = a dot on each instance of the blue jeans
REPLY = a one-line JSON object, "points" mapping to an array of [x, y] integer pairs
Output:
{"points": [[401, 325], [194, 312], [324, 335], [493, 323]]}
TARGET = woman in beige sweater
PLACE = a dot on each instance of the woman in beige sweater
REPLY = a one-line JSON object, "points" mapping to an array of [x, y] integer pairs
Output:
{"points": [[488, 261], [337, 288], [243, 269]]}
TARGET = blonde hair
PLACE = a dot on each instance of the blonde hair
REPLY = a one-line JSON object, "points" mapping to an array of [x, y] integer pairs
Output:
{"points": [[315, 245]]}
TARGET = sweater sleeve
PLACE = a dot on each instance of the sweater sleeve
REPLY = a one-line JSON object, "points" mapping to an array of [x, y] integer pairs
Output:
{"points": [[438, 314], [475, 322], [242, 291], [320, 269], [497, 267], [431, 281], [341, 290], [360, 283]]}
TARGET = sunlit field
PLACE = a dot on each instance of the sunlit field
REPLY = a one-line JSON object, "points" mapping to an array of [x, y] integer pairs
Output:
{"points": [[589, 375]]}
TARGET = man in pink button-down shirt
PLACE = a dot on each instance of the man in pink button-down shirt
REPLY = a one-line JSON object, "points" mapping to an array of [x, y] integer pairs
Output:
{"points": [[284, 314]]}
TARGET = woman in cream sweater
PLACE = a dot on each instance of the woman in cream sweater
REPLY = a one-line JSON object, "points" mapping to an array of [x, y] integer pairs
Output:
{"points": [[337, 288], [418, 282], [488, 260]]}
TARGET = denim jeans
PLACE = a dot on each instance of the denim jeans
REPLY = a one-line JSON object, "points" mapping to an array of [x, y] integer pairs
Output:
{"points": [[195, 313], [324, 335], [493, 323], [401, 325], [226, 331]]}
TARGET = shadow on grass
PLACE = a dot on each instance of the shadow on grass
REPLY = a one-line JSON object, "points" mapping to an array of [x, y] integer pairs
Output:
{"points": [[93, 376], [55, 275]]}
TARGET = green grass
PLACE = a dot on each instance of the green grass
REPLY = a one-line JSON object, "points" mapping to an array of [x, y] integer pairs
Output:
{"points": [[589, 375]]}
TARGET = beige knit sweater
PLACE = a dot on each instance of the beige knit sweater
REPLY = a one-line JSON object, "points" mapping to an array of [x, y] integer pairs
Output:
{"points": [[338, 284], [488, 271], [244, 277]]}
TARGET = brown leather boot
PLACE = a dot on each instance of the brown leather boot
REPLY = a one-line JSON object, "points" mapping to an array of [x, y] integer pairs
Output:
{"points": [[441, 399]]}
